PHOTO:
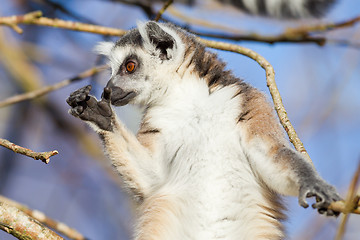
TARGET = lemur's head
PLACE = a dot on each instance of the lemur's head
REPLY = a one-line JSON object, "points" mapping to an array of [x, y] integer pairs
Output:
{"points": [[142, 60]]}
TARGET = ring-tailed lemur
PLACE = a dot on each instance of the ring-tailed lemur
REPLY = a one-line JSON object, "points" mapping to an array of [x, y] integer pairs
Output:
{"points": [[210, 158]]}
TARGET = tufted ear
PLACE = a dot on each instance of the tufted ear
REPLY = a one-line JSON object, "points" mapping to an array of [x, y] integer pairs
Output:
{"points": [[158, 39], [104, 48]]}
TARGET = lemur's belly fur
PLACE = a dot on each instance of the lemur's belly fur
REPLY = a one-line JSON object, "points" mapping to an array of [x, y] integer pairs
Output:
{"points": [[220, 190]]}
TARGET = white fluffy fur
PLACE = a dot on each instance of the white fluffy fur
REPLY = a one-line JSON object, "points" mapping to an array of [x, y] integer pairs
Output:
{"points": [[104, 48], [212, 181]]}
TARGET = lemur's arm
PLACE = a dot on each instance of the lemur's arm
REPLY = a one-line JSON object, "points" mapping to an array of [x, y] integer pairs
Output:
{"points": [[131, 159], [282, 168]]}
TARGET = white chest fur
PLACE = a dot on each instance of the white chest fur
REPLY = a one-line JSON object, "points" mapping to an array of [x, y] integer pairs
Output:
{"points": [[203, 163]]}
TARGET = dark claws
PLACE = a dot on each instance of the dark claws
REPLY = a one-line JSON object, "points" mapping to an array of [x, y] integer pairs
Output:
{"points": [[106, 94], [324, 193]]}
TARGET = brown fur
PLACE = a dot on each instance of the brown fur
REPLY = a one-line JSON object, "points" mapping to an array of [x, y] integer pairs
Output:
{"points": [[155, 217], [258, 118], [119, 143], [272, 213]]}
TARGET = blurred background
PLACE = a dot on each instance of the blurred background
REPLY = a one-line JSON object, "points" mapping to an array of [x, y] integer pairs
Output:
{"points": [[320, 87]]}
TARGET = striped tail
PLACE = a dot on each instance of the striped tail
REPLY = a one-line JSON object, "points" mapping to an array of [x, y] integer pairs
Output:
{"points": [[283, 8]]}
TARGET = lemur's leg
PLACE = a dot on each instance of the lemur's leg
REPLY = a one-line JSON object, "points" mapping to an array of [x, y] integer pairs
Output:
{"points": [[131, 159], [282, 168]]}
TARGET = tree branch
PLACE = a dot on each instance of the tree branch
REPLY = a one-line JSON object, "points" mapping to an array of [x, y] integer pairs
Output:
{"points": [[296, 35], [271, 39], [43, 156], [302, 34], [45, 90], [23, 227], [41, 217], [35, 18], [352, 203], [163, 9]]}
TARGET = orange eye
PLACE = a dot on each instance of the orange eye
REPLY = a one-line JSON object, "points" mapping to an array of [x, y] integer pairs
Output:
{"points": [[130, 67]]}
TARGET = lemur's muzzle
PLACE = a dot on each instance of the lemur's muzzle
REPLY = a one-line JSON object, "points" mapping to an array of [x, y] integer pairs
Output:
{"points": [[118, 96]]}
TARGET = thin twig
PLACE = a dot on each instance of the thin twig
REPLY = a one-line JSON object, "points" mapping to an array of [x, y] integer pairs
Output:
{"points": [[271, 39], [340, 206], [351, 203], [47, 89], [41, 217], [300, 34], [43, 156], [281, 38], [14, 20], [34, 18], [296, 35], [323, 27], [21, 226], [163, 9]]}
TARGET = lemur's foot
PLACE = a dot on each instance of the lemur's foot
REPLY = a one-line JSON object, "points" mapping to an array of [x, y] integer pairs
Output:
{"points": [[87, 108], [324, 193]]}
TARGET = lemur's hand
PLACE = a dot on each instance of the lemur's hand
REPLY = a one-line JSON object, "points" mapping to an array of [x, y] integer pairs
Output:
{"points": [[324, 193], [87, 108]]}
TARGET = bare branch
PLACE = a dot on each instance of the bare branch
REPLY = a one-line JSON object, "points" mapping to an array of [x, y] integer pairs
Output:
{"points": [[34, 18], [163, 9], [323, 27], [302, 34], [14, 20], [43, 156], [352, 203], [41, 217], [21, 226], [297, 35], [271, 39], [47, 89]]}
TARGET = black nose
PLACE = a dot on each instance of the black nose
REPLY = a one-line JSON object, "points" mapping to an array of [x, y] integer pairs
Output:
{"points": [[119, 97], [110, 84]]}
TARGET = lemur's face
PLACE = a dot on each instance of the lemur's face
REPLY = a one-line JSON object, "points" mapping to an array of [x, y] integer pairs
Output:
{"points": [[140, 62]]}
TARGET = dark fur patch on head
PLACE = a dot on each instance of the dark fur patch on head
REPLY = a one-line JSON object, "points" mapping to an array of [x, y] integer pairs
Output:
{"points": [[160, 39], [132, 38]]}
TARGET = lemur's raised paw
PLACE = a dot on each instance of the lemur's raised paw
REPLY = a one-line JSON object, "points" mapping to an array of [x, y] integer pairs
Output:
{"points": [[324, 193], [87, 108]]}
